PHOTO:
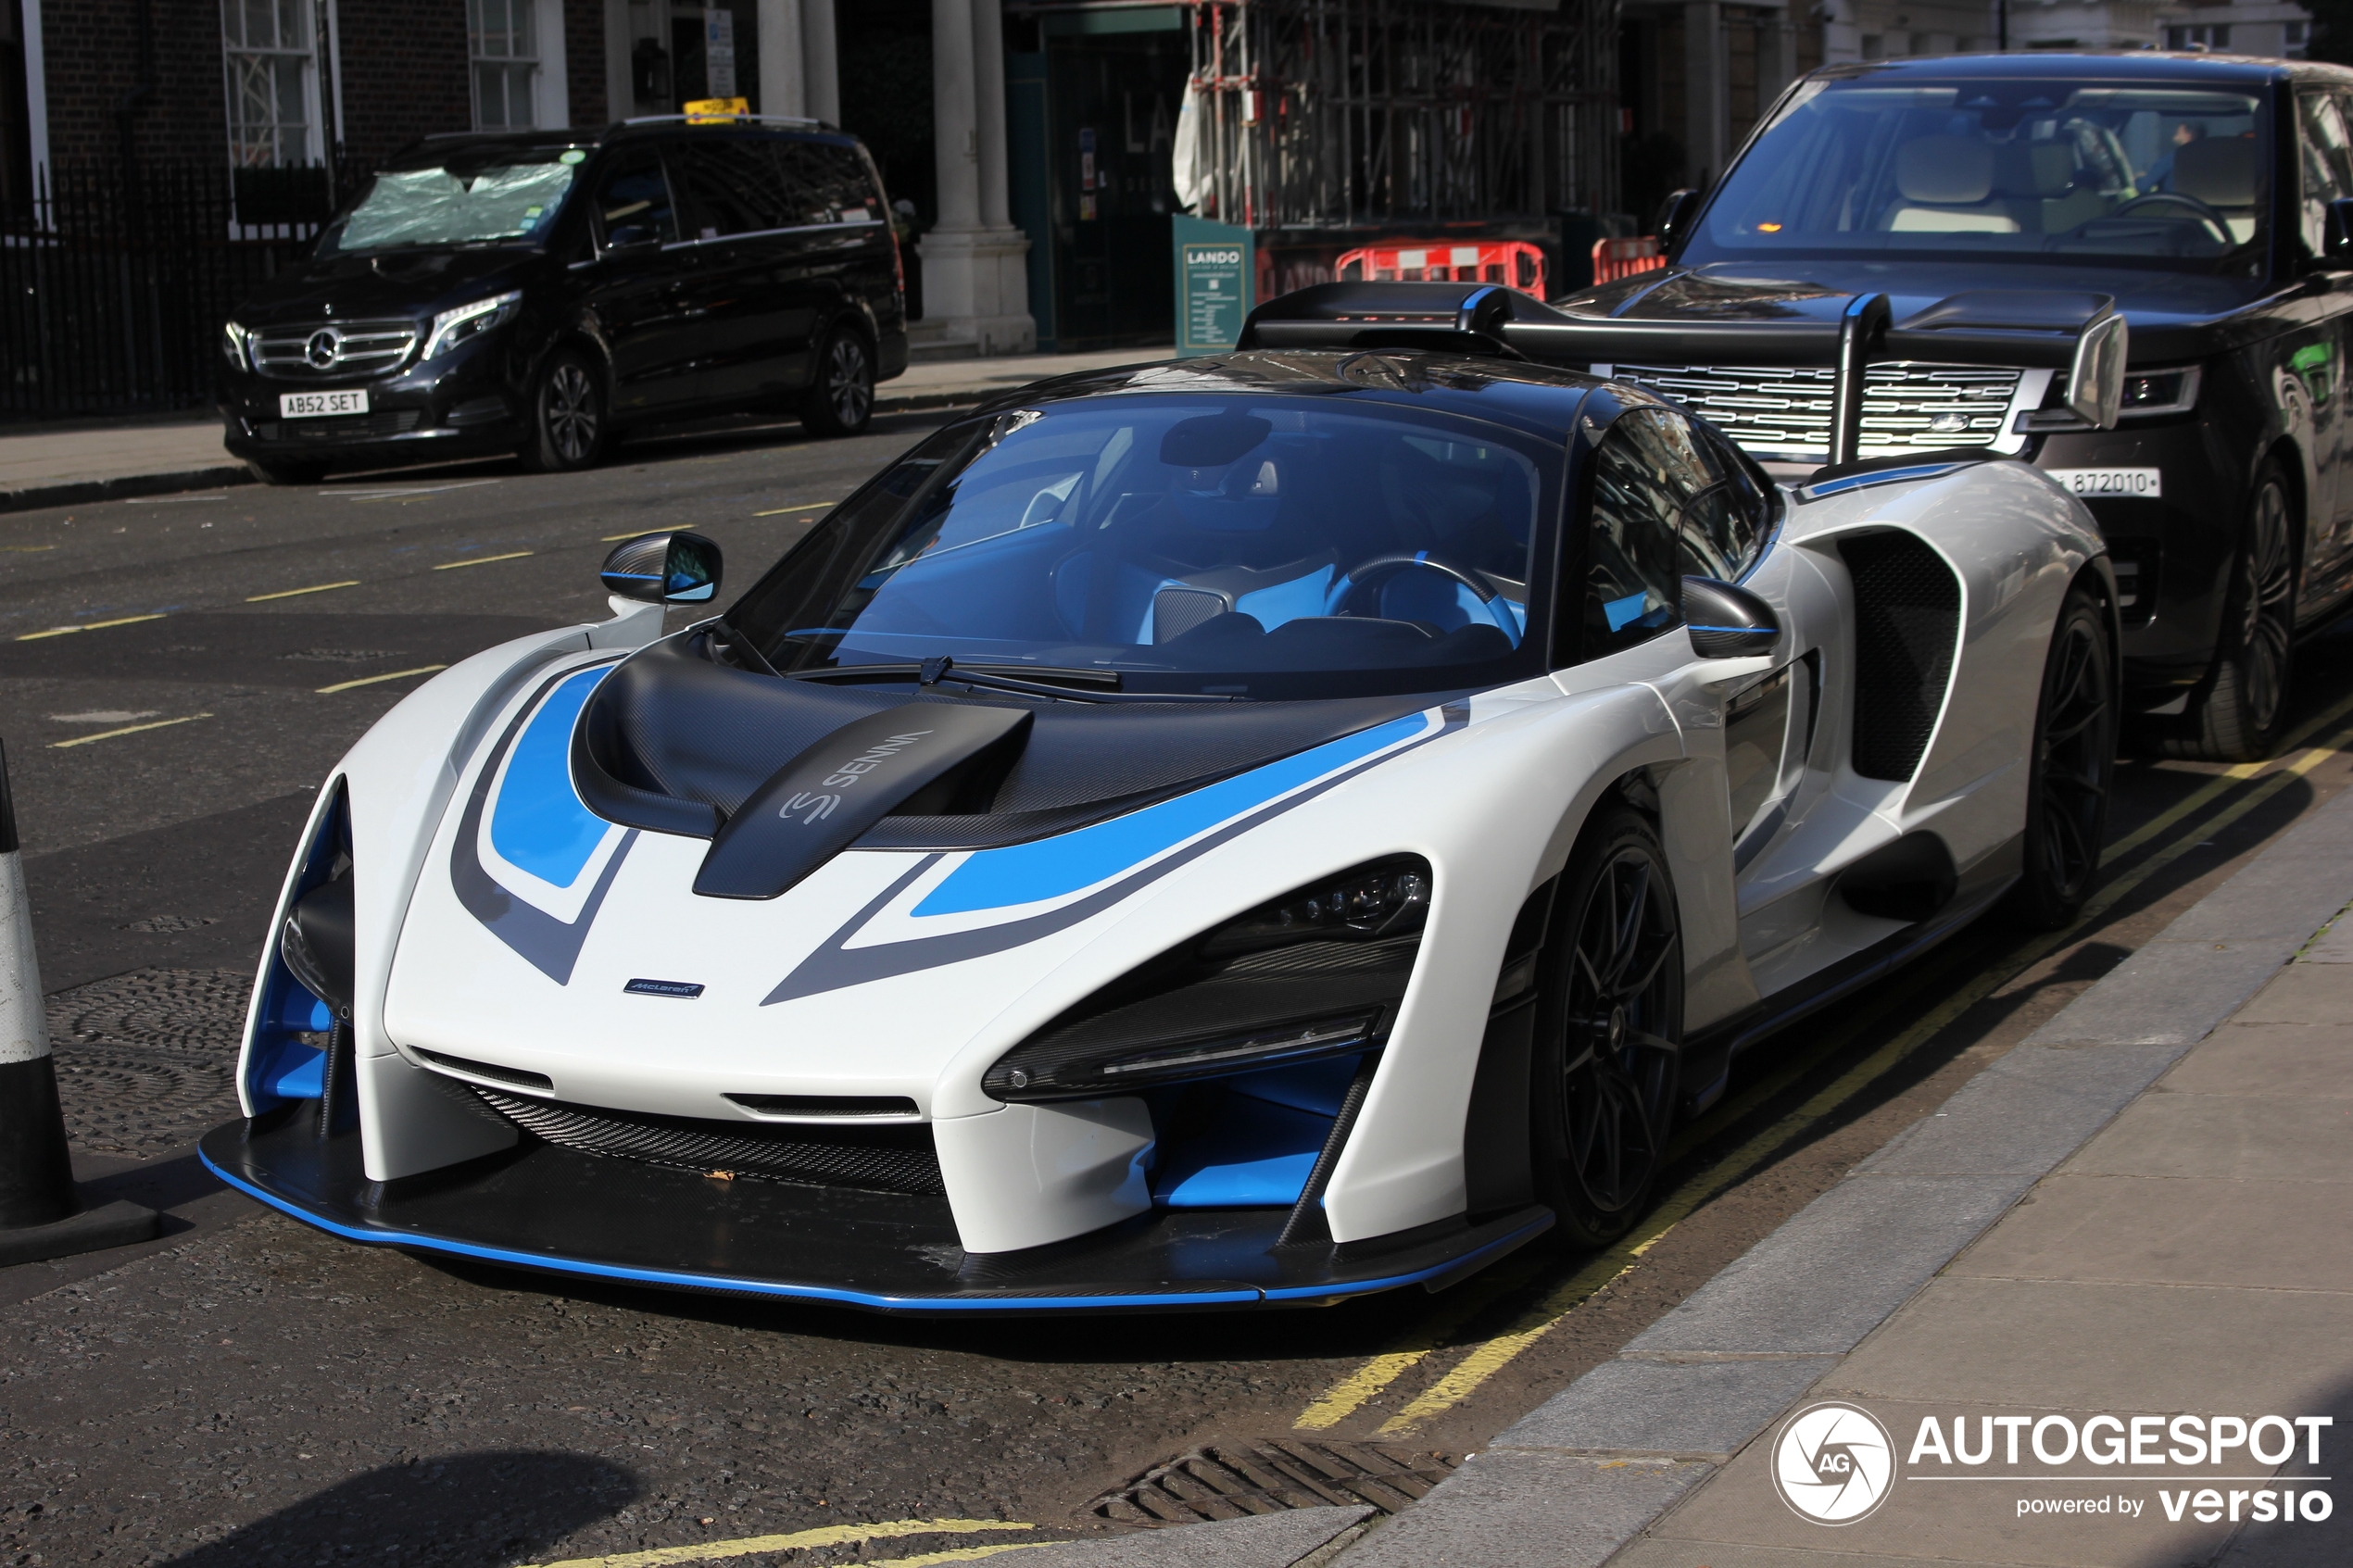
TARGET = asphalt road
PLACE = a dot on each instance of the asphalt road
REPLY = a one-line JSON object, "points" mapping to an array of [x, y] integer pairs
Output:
{"points": [[248, 1391]]}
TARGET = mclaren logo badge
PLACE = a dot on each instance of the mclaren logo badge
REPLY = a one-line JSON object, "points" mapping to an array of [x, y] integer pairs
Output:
{"points": [[684, 990]]}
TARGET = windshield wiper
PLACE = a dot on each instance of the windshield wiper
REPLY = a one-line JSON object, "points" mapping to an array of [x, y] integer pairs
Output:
{"points": [[1100, 685]]}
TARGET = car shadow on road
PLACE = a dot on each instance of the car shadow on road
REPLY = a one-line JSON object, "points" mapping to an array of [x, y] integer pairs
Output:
{"points": [[462, 1510]]}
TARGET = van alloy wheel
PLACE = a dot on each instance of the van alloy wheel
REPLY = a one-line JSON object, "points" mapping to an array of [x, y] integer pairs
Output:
{"points": [[569, 411]]}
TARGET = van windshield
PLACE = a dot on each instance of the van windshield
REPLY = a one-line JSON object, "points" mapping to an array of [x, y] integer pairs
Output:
{"points": [[2033, 170], [483, 197], [1249, 545]]}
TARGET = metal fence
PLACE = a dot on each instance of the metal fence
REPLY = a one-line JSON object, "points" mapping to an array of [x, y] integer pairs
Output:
{"points": [[113, 287]]}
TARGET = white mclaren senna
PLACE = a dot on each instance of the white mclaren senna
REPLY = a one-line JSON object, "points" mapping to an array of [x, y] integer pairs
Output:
{"points": [[1251, 830]]}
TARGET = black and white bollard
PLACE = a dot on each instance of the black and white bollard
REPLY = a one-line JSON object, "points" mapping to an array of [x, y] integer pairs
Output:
{"points": [[42, 1214]]}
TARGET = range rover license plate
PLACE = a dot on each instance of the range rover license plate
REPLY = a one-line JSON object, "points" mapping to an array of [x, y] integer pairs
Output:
{"points": [[2140, 485], [311, 405]]}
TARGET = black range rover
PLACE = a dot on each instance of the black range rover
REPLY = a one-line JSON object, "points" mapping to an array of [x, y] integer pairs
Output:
{"points": [[2207, 196], [540, 293]]}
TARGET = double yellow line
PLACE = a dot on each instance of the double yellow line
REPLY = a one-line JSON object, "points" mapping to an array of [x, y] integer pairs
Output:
{"points": [[811, 1540], [1491, 1356]]}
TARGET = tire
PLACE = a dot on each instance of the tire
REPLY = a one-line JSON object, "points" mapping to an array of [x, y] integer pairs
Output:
{"points": [[570, 424], [2239, 716], [1608, 1057], [275, 472], [840, 401], [2070, 769]]}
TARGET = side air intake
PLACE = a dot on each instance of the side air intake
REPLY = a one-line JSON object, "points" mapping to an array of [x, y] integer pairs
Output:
{"points": [[1908, 616]]}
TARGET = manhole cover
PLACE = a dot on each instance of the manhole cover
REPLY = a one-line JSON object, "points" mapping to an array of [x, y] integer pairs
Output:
{"points": [[1228, 1480], [164, 925], [148, 1060]]}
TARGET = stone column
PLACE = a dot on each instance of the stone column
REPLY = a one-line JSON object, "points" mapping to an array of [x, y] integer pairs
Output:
{"points": [[976, 275], [1706, 92], [821, 70], [782, 85], [1776, 59]]}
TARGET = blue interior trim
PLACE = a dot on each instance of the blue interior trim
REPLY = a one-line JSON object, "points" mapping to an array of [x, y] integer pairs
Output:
{"points": [[1053, 868]]}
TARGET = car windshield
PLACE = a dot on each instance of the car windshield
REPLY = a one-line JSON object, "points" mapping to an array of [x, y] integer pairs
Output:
{"points": [[1260, 545], [2139, 175], [483, 197]]}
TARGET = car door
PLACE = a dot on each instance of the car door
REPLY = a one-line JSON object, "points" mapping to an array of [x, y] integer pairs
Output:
{"points": [[639, 284], [740, 209], [2309, 369]]}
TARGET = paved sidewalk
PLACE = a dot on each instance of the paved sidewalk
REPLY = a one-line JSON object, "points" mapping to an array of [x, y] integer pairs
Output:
{"points": [[2140, 1212], [68, 465]]}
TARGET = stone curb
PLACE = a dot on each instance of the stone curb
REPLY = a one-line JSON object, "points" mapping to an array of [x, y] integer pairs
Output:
{"points": [[1585, 1473], [1264, 1540], [122, 487]]}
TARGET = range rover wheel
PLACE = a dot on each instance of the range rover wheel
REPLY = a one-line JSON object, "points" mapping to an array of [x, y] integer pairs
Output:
{"points": [[568, 424], [841, 400], [2070, 769], [2239, 715], [1609, 1043], [273, 471]]}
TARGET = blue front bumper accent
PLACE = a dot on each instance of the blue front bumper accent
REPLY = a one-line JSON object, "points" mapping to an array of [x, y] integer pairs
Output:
{"points": [[563, 1211]]}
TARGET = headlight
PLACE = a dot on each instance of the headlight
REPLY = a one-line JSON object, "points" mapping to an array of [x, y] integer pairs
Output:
{"points": [[233, 341], [1314, 974], [454, 327], [2161, 392]]}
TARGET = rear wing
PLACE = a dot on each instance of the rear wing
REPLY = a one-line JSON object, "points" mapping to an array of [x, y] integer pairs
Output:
{"points": [[2080, 334]]}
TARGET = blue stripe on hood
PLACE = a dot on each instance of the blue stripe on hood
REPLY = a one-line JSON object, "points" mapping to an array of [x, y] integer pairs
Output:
{"points": [[1054, 868]]}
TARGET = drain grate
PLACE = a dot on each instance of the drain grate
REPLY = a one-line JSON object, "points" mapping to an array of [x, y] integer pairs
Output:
{"points": [[1229, 1480]]}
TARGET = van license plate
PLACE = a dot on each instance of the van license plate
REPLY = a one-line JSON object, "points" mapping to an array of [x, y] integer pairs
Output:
{"points": [[2139, 484], [311, 405]]}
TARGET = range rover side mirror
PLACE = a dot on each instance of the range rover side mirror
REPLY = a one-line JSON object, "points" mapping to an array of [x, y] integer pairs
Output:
{"points": [[1674, 215], [2338, 245], [678, 569], [1726, 621]]}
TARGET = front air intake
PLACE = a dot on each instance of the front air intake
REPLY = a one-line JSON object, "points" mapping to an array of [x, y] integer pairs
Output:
{"points": [[1907, 617], [886, 1159]]}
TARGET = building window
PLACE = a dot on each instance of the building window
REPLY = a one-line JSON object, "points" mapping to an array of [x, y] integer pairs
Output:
{"points": [[2210, 36], [500, 37], [265, 46]]}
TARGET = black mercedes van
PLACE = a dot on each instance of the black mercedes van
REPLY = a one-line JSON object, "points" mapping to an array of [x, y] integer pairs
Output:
{"points": [[543, 292], [2209, 197]]}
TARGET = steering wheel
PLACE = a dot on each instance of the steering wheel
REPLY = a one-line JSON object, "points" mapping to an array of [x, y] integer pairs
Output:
{"points": [[1364, 580], [2205, 214]]}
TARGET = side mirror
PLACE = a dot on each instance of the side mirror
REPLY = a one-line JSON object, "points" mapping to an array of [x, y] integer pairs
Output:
{"points": [[679, 568], [1726, 621], [2338, 244], [1674, 215]]}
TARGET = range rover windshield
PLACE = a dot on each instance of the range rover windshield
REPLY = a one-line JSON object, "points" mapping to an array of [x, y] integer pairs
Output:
{"points": [[1250, 545], [480, 196], [2037, 169]]}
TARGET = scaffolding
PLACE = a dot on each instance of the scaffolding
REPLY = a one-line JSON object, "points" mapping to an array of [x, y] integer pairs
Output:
{"points": [[1357, 115]]}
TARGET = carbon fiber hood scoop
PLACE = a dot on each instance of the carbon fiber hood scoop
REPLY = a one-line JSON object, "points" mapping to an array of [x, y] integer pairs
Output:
{"points": [[674, 742]]}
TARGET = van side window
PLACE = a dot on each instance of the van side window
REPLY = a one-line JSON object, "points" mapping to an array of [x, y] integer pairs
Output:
{"points": [[829, 183], [633, 203], [1633, 568], [734, 187]]}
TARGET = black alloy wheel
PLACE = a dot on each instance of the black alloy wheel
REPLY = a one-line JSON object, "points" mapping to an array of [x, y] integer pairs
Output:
{"points": [[1609, 1048], [568, 429], [2071, 768], [2239, 716], [841, 400]]}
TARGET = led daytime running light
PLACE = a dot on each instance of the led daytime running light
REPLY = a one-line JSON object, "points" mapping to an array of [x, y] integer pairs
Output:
{"points": [[453, 327]]}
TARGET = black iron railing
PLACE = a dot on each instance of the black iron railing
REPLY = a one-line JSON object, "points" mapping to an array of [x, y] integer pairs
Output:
{"points": [[113, 287]]}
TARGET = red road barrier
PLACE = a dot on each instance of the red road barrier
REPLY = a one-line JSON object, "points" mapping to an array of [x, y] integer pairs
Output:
{"points": [[1613, 259], [1513, 263]]}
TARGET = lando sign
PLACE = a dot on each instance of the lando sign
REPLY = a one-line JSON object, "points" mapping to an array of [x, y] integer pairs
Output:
{"points": [[1216, 284]]}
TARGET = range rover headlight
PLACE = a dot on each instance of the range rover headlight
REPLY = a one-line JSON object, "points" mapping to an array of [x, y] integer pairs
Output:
{"points": [[467, 321], [1315, 974], [2161, 392], [234, 341]]}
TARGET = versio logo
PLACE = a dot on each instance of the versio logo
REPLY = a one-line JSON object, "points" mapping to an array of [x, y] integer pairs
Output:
{"points": [[1834, 1463]]}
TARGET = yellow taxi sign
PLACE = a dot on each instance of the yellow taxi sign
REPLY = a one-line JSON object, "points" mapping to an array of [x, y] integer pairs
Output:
{"points": [[709, 111]]}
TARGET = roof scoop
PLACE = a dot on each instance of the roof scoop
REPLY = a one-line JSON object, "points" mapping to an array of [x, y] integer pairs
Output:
{"points": [[915, 759]]}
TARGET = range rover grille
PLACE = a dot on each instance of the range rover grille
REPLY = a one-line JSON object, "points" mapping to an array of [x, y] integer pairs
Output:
{"points": [[886, 1159], [1784, 412], [328, 349]]}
